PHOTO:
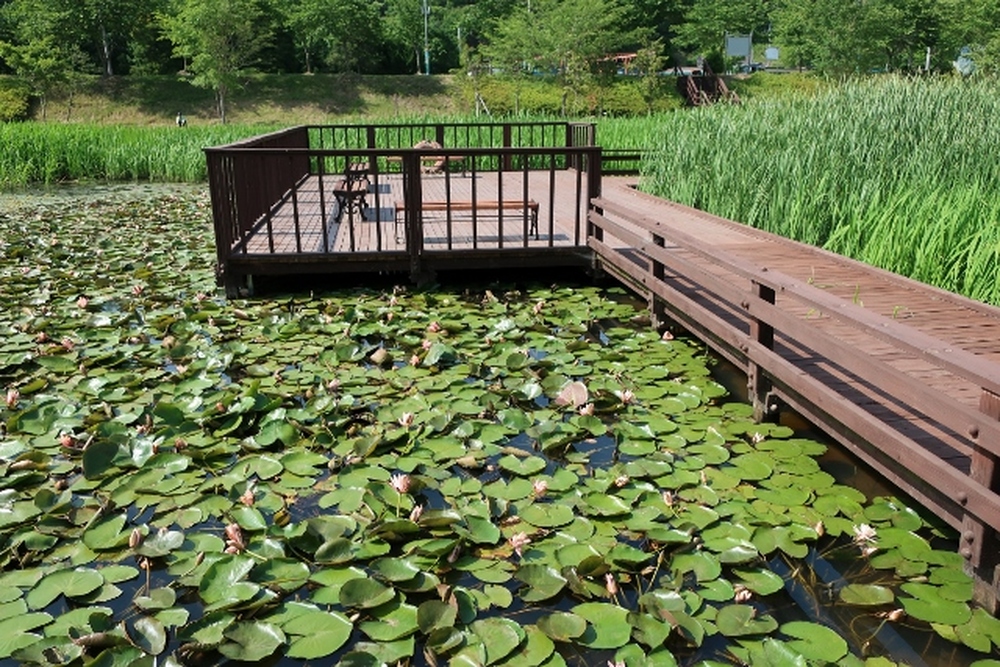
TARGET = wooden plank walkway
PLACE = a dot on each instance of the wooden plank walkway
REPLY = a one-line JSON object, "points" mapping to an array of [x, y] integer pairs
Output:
{"points": [[961, 323], [296, 226]]}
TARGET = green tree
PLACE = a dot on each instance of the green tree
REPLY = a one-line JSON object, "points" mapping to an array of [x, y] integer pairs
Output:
{"points": [[973, 24], [41, 49], [706, 23], [220, 39]]}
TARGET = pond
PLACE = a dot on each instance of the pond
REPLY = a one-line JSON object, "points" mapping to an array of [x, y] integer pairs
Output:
{"points": [[476, 475]]}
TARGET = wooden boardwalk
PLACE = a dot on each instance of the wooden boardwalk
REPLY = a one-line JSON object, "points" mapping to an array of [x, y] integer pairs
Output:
{"points": [[961, 323], [905, 375]]}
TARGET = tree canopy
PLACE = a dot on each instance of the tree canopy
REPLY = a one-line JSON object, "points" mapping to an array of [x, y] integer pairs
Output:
{"points": [[218, 41]]}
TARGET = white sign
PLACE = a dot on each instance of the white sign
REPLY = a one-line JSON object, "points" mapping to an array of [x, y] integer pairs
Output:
{"points": [[771, 53], [739, 46]]}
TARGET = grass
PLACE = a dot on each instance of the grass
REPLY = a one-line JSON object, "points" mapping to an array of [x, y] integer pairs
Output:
{"points": [[897, 173]]}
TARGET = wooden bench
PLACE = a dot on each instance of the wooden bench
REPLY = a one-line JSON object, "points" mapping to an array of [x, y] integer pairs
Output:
{"points": [[436, 162], [479, 205], [357, 171], [351, 192]]}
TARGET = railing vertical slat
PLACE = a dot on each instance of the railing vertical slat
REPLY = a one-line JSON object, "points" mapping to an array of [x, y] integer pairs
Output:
{"points": [[979, 543]]}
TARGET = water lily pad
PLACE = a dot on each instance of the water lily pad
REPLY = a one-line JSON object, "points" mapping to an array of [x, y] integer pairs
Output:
{"points": [[525, 467], [608, 625], [434, 615], [365, 593], [251, 641], [815, 641], [543, 582], [866, 594], [499, 636], [75, 582], [562, 626], [547, 515], [391, 622], [739, 620]]}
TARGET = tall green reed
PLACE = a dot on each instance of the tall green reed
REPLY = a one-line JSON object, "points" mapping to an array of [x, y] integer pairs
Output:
{"points": [[899, 173]]}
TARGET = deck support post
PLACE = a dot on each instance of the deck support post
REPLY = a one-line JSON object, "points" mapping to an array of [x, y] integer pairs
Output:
{"points": [[657, 310], [981, 543], [759, 386]]}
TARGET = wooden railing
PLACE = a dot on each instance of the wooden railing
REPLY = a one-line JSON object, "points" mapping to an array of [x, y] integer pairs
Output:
{"points": [[698, 286], [275, 197]]}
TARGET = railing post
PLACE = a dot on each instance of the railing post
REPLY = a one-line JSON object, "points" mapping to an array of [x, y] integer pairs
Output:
{"points": [[657, 310], [505, 160], [413, 196], [758, 386], [980, 542]]}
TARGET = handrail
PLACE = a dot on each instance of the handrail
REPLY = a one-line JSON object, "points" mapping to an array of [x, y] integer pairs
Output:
{"points": [[962, 363], [748, 323]]}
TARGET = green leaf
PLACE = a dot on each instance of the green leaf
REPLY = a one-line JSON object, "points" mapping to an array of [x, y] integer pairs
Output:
{"points": [[150, 635], [365, 593], [608, 625], [739, 620], [500, 637], [71, 583], [866, 594], [434, 614], [547, 515], [562, 626], [251, 641], [815, 641], [543, 582]]}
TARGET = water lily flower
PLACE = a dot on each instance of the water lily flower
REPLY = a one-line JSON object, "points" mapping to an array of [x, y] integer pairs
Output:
{"points": [[621, 480], [757, 438], [401, 483], [248, 496], [626, 396], [82, 302], [820, 529], [13, 396], [137, 289], [668, 498], [393, 300], [434, 327], [234, 539], [610, 585], [406, 419], [67, 439], [416, 512], [333, 385], [42, 337], [518, 541], [135, 538], [200, 296], [537, 308], [539, 487], [743, 594], [667, 336], [864, 533], [426, 344], [616, 663], [586, 410], [67, 343], [415, 360], [865, 537]]}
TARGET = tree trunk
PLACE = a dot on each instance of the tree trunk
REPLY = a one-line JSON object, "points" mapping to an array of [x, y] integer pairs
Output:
{"points": [[109, 68], [220, 96]]}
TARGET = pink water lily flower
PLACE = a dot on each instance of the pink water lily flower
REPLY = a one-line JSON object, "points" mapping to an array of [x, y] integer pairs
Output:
{"points": [[518, 541], [401, 483]]}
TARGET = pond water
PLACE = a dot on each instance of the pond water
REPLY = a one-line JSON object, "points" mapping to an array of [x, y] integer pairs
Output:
{"points": [[483, 475]]}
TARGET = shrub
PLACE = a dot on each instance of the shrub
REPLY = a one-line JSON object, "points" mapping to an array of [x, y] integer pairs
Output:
{"points": [[14, 100]]}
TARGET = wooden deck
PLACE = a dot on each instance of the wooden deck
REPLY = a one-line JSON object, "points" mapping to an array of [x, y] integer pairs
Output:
{"points": [[905, 375], [297, 225]]}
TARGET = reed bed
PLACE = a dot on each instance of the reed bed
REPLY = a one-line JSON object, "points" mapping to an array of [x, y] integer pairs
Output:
{"points": [[51, 153], [898, 173]]}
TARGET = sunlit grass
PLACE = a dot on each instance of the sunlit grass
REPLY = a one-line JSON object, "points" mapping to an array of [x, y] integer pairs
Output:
{"points": [[898, 173]]}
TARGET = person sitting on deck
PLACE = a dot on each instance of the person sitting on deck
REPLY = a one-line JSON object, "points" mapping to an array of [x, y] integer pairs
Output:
{"points": [[439, 164]]}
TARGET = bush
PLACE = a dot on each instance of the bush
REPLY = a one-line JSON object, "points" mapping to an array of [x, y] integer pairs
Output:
{"points": [[14, 100]]}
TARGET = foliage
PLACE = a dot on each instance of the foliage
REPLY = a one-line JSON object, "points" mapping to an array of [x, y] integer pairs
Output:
{"points": [[14, 101], [892, 172], [190, 480], [221, 38]]}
